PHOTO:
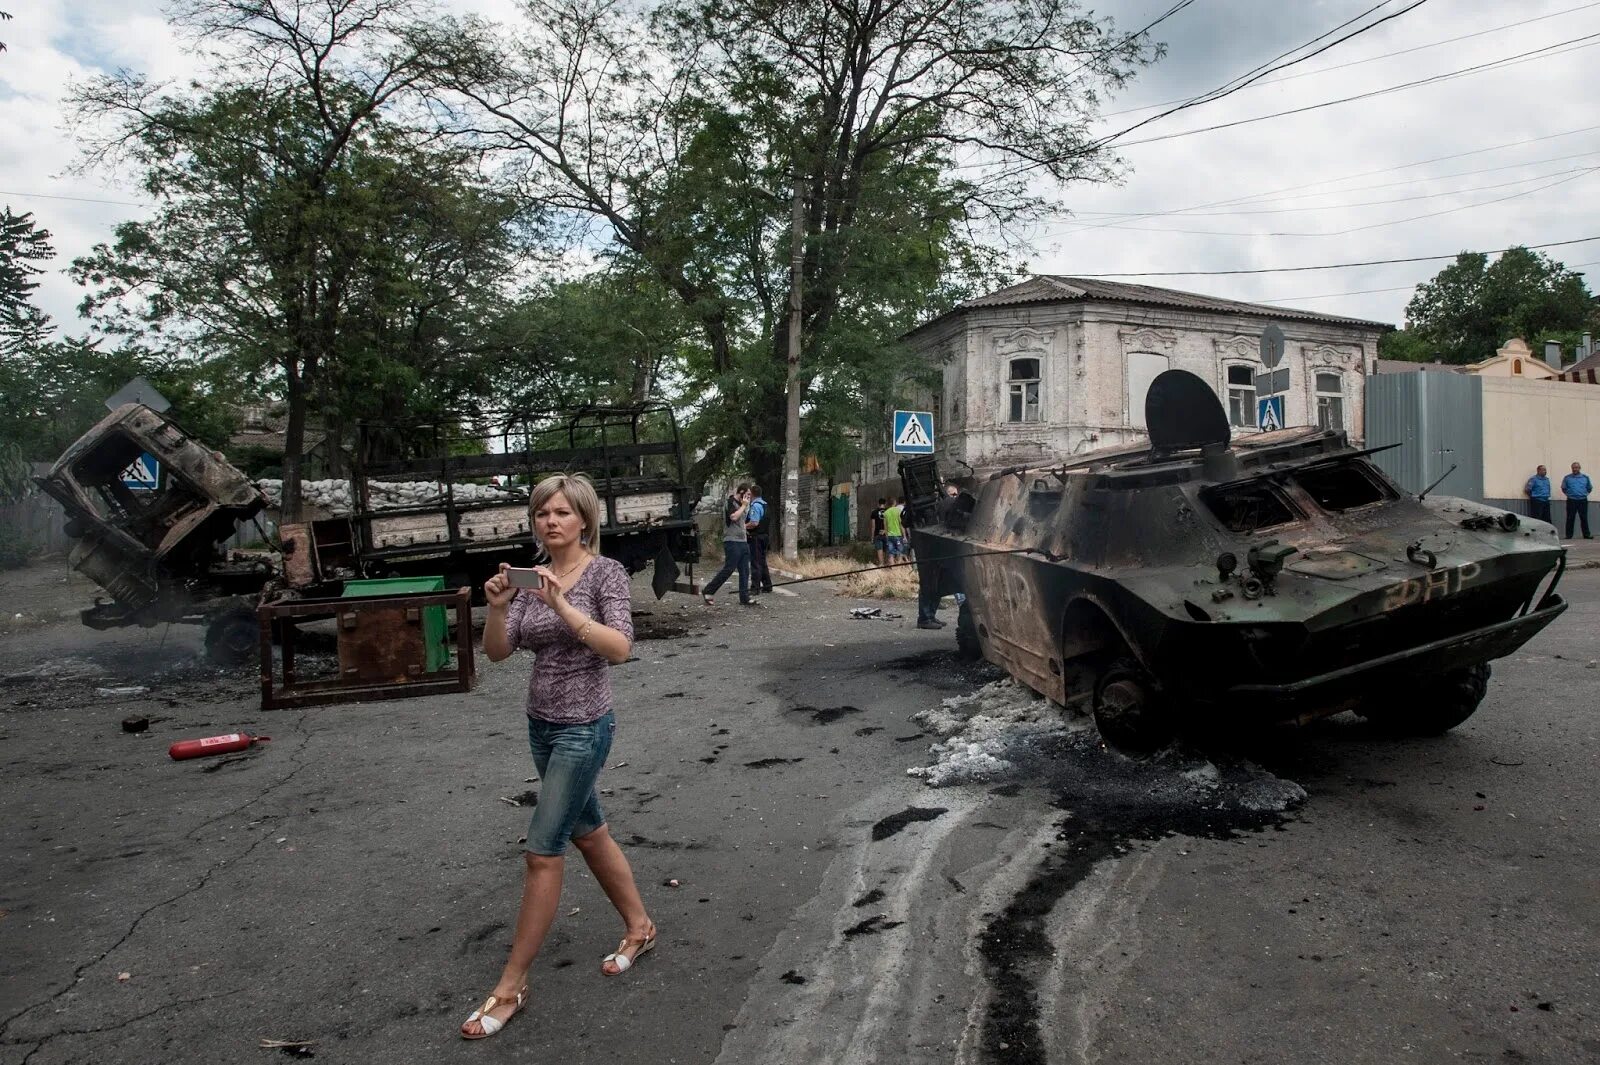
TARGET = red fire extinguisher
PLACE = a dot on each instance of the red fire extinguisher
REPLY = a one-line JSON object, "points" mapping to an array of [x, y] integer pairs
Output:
{"points": [[233, 741]]}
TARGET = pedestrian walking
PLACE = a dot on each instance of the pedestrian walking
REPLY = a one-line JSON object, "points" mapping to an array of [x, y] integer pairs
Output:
{"points": [[1538, 492], [893, 531], [1576, 486], [880, 541], [578, 623], [735, 547], [758, 523]]}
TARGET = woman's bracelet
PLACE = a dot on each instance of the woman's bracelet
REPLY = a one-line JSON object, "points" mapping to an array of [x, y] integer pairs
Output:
{"points": [[583, 631]]}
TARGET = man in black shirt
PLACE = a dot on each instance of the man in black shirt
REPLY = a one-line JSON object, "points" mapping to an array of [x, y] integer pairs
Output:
{"points": [[880, 541]]}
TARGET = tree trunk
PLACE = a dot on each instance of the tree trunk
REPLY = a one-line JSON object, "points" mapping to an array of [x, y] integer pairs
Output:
{"points": [[791, 414], [294, 440]]}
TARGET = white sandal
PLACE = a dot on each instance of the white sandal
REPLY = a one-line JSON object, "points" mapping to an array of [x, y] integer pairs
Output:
{"points": [[621, 960], [491, 1025]]}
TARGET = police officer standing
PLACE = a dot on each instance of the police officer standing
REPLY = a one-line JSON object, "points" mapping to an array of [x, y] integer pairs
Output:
{"points": [[1575, 486], [1538, 492]]}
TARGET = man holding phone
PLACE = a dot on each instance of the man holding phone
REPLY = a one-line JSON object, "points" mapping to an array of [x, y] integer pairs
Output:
{"points": [[735, 547]]}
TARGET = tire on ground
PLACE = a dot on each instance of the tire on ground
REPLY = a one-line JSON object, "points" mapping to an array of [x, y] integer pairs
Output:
{"points": [[1434, 705], [967, 633], [1130, 710], [232, 638]]}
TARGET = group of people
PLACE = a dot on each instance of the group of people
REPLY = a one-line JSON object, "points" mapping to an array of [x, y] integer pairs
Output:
{"points": [[746, 535], [891, 531], [1575, 487]]}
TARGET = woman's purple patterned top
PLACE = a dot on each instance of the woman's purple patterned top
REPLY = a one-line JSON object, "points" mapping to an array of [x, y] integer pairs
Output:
{"points": [[571, 685]]}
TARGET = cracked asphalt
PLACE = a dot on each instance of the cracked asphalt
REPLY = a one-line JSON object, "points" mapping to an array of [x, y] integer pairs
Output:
{"points": [[351, 882]]}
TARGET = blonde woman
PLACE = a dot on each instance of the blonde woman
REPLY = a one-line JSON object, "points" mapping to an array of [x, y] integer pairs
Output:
{"points": [[578, 624]]}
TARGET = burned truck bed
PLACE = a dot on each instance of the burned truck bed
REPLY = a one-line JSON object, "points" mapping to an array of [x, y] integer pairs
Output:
{"points": [[1278, 576], [453, 504]]}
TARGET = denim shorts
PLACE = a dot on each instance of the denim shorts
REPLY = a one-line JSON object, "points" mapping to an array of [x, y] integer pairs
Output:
{"points": [[569, 759], [897, 546]]}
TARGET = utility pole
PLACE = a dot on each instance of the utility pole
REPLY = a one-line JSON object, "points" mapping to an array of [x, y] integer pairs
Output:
{"points": [[791, 428]]}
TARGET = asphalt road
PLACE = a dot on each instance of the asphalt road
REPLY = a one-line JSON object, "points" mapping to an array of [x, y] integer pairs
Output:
{"points": [[352, 882]]}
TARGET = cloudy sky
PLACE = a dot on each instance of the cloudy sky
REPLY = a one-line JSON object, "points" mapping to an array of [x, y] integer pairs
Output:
{"points": [[1509, 154]]}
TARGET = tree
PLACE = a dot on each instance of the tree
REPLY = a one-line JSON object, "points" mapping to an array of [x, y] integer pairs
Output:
{"points": [[295, 225], [906, 127], [1473, 306], [23, 245]]}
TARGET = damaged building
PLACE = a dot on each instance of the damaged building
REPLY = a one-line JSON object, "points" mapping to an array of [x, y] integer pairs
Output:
{"points": [[1058, 366]]}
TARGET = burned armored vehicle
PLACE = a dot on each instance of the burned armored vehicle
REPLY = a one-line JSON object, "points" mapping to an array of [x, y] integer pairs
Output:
{"points": [[1282, 576]]}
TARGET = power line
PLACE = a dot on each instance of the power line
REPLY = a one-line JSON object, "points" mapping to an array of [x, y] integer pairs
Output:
{"points": [[1158, 20], [1575, 175], [1374, 291], [1479, 68], [1375, 58], [74, 199], [1336, 180], [1328, 266], [1249, 77], [1368, 203]]}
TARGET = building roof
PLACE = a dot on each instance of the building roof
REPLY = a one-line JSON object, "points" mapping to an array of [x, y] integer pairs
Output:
{"points": [[1407, 366], [1584, 365], [1054, 288]]}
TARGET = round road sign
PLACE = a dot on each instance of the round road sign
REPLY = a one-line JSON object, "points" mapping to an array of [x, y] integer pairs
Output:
{"points": [[1271, 346]]}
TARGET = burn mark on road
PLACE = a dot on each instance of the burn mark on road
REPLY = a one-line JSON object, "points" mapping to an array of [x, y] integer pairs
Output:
{"points": [[869, 730], [875, 895], [768, 763], [790, 977], [825, 715], [910, 815], [872, 926], [1114, 806]]}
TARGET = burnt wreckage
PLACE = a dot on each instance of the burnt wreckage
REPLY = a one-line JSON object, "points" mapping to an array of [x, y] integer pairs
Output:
{"points": [[451, 506], [1278, 577]]}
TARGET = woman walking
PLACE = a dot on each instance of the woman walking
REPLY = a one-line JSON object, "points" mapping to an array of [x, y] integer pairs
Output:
{"points": [[577, 624]]}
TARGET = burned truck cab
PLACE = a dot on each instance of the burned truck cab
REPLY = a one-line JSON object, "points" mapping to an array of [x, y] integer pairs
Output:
{"points": [[155, 549], [1282, 576]]}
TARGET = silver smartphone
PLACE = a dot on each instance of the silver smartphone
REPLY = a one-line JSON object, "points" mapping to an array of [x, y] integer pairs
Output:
{"points": [[524, 578]]}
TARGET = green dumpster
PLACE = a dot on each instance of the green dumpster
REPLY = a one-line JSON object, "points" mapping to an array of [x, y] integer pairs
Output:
{"points": [[435, 627]]}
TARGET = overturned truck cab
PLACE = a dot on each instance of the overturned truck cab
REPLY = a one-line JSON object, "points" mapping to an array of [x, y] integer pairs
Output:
{"points": [[1279, 577]]}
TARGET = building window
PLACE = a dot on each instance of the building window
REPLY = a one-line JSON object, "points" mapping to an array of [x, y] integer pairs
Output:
{"points": [[1516, 367], [1022, 389], [880, 470], [1330, 401], [1241, 397]]}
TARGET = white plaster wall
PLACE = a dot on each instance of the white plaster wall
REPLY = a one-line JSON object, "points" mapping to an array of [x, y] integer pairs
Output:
{"points": [[1084, 348], [1526, 423]]}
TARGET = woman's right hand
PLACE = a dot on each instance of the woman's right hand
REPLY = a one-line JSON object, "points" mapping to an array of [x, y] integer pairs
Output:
{"points": [[497, 589]]}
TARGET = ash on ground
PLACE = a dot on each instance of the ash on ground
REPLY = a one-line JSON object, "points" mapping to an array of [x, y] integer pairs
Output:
{"points": [[1004, 732]]}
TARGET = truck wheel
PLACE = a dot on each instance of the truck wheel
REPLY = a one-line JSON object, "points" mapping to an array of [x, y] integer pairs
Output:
{"points": [[1436, 705], [1130, 711], [967, 633], [232, 638]]}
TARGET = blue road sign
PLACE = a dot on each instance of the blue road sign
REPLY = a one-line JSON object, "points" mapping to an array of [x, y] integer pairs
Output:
{"points": [[913, 432], [1269, 413], [143, 475]]}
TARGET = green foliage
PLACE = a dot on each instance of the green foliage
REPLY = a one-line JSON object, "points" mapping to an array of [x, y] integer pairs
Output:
{"points": [[23, 246], [1472, 307], [1405, 345]]}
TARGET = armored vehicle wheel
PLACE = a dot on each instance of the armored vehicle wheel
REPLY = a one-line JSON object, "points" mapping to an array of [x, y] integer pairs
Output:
{"points": [[967, 633], [1130, 711], [1435, 705], [232, 638]]}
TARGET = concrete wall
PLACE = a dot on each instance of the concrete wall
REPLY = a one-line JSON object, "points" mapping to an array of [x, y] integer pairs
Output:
{"points": [[1529, 422]]}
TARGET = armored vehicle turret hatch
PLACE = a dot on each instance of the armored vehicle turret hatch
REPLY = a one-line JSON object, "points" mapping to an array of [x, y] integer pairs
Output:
{"points": [[1279, 576]]}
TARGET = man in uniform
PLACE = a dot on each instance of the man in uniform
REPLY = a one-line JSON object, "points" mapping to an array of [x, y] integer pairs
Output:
{"points": [[1538, 492], [1575, 486]]}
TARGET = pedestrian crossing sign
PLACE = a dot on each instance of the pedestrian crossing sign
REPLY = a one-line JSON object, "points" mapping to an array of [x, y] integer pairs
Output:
{"points": [[1269, 413], [913, 432], [143, 474]]}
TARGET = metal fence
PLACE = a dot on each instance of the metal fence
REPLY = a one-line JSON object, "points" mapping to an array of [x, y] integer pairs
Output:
{"points": [[34, 525], [1437, 419]]}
